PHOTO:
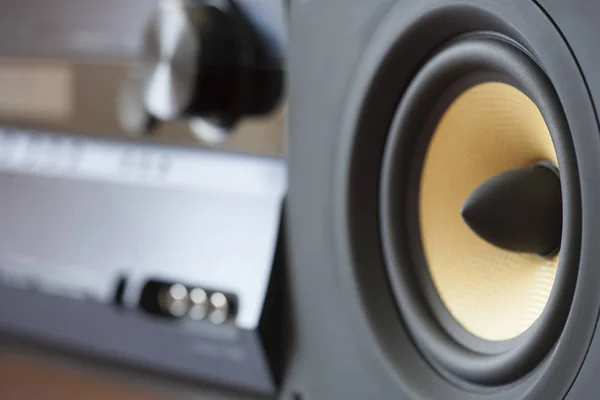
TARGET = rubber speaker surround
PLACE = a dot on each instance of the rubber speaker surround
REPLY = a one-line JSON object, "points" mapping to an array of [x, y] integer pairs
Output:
{"points": [[463, 64]]}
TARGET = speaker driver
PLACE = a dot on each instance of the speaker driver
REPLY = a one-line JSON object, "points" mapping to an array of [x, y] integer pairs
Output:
{"points": [[494, 293], [479, 210]]}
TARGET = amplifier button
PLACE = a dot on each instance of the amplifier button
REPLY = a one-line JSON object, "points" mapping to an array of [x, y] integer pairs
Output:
{"points": [[174, 300], [198, 304], [219, 308]]}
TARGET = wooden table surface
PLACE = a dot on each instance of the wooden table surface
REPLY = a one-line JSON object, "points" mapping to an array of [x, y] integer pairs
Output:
{"points": [[24, 379], [28, 373]]}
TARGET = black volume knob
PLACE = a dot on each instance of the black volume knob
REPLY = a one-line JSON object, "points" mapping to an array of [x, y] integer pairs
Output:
{"points": [[194, 56], [202, 59]]}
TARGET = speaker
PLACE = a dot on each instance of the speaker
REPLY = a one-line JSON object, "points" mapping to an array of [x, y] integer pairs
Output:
{"points": [[442, 213]]}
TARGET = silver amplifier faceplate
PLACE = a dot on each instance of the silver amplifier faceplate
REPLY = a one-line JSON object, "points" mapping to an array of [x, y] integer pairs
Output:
{"points": [[79, 215]]}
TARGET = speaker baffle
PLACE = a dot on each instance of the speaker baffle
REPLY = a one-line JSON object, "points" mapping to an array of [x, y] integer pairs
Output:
{"points": [[478, 308]]}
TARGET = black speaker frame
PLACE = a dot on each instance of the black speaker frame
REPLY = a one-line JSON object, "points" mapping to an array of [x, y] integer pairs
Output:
{"points": [[459, 65], [335, 242]]}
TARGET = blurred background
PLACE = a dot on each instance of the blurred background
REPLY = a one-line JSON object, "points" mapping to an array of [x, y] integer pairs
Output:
{"points": [[142, 184]]}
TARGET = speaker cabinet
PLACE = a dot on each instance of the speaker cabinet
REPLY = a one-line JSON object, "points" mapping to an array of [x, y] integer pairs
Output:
{"points": [[443, 217]]}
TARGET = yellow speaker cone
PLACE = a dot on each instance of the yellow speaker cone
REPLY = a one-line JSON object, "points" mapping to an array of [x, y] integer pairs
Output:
{"points": [[489, 129]]}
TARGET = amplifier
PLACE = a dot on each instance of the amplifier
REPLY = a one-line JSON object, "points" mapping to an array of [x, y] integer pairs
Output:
{"points": [[143, 176]]}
